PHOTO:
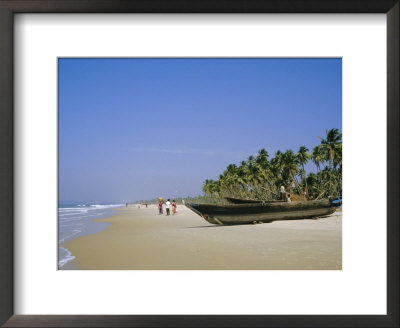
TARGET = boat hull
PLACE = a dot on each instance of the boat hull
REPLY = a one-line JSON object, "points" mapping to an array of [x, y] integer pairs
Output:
{"points": [[262, 212], [242, 201]]}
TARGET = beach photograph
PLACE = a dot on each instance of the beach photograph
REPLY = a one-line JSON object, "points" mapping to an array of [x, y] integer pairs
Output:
{"points": [[199, 164]]}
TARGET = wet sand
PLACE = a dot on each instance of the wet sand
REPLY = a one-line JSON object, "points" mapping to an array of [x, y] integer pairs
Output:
{"points": [[141, 239]]}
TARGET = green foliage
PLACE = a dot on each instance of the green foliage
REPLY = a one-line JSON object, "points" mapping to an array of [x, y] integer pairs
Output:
{"points": [[261, 178]]}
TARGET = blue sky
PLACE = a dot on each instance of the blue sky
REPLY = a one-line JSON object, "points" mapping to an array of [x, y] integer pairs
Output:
{"points": [[133, 129]]}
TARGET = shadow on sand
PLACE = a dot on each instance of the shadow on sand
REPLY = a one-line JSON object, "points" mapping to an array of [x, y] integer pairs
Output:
{"points": [[224, 225]]}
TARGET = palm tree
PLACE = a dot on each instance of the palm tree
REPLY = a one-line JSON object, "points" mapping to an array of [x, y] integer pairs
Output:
{"points": [[222, 185], [289, 166], [329, 182], [252, 175], [317, 157], [313, 185], [206, 186], [276, 168], [230, 176], [332, 151], [332, 147], [260, 178], [242, 175], [302, 158], [210, 187], [262, 158]]}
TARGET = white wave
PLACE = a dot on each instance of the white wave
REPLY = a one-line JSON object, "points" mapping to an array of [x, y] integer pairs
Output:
{"points": [[71, 219], [66, 258], [72, 222], [85, 208], [106, 206], [74, 211], [71, 214], [69, 236], [72, 225], [79, 217]]}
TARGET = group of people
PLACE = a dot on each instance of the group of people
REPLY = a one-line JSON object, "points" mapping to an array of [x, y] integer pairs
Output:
{"points": [[285, 196], [168, 206]]}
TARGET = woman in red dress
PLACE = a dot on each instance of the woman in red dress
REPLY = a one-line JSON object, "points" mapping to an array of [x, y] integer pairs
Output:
{"points": [[173, 207], [160, 204]]}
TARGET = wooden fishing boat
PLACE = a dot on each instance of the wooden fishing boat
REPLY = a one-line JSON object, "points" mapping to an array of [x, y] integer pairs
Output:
{"points": [[248, 201], [262, 212]]}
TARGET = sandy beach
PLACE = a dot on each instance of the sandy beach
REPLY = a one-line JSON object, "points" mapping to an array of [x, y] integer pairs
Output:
{"points": [[141, 239]]}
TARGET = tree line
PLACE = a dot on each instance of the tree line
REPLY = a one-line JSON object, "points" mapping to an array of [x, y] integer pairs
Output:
{"points": [[260, 177]]}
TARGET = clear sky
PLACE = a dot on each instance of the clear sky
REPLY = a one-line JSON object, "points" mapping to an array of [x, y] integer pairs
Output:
{"points": [[133, 129]]}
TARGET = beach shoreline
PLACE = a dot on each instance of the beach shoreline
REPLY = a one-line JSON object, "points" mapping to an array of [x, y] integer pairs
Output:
{"points": [[141, 239], [75, 221]]}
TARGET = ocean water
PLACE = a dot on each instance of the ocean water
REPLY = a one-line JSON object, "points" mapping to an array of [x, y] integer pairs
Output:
{"points": [[76, 220]]}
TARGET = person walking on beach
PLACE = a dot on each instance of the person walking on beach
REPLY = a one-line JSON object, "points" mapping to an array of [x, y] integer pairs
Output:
{"points": [[160, 211], [173, 207], [167, 206]]}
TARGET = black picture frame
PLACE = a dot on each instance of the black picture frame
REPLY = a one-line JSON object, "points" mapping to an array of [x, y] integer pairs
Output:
{"points": [[10, 7]]}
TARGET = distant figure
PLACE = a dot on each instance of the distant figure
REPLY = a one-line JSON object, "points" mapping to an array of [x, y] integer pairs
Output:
{"points": [[173, 207], [160, 203], [288, 198], [282, 193], [167, 206], [146, 205], [183, 201], [126, 204], [305, 192]]}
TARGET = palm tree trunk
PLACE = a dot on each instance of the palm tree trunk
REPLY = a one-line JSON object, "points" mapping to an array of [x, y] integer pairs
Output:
{"points": [[305, 180]]}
